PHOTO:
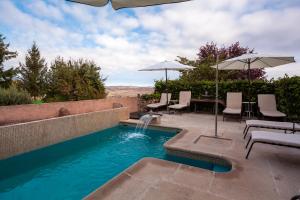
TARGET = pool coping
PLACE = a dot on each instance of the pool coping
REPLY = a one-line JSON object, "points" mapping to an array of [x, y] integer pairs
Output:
{"points": [[116, 182], [184, 152]]}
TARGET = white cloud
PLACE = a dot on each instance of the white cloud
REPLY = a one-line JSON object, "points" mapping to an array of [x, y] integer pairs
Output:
{"points": [[40, 8], [122, 42]]}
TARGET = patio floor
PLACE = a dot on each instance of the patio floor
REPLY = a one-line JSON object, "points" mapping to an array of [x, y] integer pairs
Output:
{"points": [[271, 172]]}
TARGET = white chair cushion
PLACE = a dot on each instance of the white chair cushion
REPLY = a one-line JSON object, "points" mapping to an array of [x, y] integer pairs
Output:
{"points": [[178, 106], [232, 111], [276, 138], [272, 113]]}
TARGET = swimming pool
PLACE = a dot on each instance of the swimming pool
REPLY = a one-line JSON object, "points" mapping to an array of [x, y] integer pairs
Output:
{"points": [[73, 169]]}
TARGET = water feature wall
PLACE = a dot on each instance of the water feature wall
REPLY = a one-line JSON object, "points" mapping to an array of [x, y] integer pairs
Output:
{"points": [[24, 137]]}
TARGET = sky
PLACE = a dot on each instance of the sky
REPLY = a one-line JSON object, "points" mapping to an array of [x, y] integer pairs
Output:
{"points": [[123, 41]]}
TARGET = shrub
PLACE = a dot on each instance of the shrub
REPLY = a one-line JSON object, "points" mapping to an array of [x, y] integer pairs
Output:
{"points": [[148, 97], [13, 96]]}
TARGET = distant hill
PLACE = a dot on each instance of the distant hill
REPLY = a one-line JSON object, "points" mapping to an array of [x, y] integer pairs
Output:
{"points": [[127, 91]]}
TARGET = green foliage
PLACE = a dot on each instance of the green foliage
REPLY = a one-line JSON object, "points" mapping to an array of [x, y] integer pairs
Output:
{"points": [[153, 96], [37, 101], [33, 72], [13, 96], [287, 90], [74, 80], [207, 57], [6, 76]]}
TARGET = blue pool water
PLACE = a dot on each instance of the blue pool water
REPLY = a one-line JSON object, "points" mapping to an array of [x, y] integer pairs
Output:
{"points": [[73, 169]]}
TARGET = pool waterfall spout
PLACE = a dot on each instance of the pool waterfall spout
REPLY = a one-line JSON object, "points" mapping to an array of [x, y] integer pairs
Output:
{"points": [[145, 119]]}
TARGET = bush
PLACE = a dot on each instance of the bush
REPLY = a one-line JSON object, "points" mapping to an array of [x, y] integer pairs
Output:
{"points": [[13, 96], [287, 90], [148, 97]]}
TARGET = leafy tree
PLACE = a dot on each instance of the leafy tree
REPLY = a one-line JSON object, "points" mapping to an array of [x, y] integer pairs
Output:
{"points": [[74, 80], [6, 76], [207, 56], [33, 72]]}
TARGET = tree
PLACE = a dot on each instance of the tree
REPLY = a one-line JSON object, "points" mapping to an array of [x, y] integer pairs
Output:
{"points": [[6, 76], [207, 56], [74, 80], [33, 72]]}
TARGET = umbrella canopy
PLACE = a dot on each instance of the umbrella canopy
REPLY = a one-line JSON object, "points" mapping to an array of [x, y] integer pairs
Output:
{"points": [[117, 4], [165, 66], [254, 61]]}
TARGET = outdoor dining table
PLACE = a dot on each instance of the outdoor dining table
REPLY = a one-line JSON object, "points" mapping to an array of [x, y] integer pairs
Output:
{"points": [[196, 102]]}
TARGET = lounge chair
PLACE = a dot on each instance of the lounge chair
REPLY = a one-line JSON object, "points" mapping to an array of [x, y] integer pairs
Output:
{"points": [[184, 100], [273, 138], [233, 104], [267, 106], [163, 101], [285, 126]]}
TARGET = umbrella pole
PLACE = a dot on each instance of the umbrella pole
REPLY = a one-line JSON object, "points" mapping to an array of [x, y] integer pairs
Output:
{"points": [[249, 85], [217, 97], [166, 72]]}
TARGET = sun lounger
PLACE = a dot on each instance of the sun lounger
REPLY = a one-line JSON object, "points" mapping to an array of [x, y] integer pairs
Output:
{"points": [[184, 100], [233, 104], [285, 126], [162, 103], [279, 139], [267, 106]]}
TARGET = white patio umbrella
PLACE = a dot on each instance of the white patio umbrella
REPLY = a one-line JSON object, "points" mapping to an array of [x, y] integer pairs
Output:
{"points": [[118, 4], [246, 62], [165, 66]]}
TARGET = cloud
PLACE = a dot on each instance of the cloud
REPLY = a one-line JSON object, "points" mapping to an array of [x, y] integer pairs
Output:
{"points": [[41, 9], [123, 41]]}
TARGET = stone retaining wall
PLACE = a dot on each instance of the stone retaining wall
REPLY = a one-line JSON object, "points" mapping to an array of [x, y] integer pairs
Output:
{"points": [[24, 137], [32, 112]]}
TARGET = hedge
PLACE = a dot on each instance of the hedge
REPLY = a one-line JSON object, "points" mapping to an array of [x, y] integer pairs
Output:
{"points": [[287, 90]]}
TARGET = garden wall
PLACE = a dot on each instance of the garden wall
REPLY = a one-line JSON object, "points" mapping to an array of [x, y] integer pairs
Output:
{"points": [[32, 112], [19, 138]]}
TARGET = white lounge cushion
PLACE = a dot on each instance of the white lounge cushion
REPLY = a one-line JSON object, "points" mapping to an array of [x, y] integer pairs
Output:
{"points": [[234, 100], [185, 97], [178, 106], [267, 105], [163, 101], [156, 105], [272, 124], [272, 113], [184, 100], [232, 111], [276, 138]]}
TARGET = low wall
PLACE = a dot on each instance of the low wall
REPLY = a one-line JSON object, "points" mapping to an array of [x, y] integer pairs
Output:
{"points": [[24, 137], [32, 112]]}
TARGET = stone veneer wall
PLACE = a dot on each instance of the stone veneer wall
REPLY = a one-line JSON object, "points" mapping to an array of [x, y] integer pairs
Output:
{"points": [[20, 138], [32, 112]]}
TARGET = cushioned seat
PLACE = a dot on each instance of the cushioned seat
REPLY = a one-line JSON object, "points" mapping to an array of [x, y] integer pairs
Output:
{"points": [[163, 101], [286, 126], [233, 104], [232, 111], [184, 100], [267, 106], [273, 138]]}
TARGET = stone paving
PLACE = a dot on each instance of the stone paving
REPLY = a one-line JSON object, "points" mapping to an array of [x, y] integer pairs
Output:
{"points": [[270, 173]]}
